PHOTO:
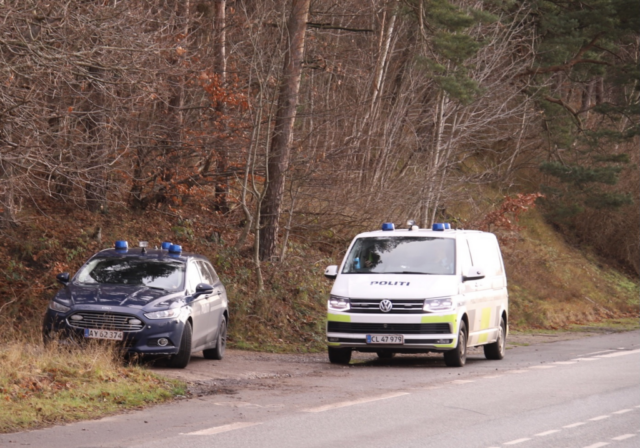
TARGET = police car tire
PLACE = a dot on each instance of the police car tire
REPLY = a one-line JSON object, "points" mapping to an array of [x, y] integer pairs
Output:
{"points": [[495, 350], [339, 355], [385, 354], [458, 356], [218, 351], [181, 359]]}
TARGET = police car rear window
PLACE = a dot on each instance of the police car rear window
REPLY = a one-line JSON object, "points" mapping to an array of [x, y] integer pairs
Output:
{"points": [[160, 274], [401, 255]]}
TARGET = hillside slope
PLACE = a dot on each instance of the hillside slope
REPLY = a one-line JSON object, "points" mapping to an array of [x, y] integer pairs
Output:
{"points": [[551, 284]]}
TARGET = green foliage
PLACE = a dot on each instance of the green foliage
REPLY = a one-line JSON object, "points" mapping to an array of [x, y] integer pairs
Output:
{"points": [[587, 69], [451, 43]]}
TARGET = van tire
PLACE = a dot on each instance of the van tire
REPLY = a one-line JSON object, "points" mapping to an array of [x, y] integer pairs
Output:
{"points": [[495, 350], [458, 356], [218, 351], [181, 359], [385, 354], [339, 355]]}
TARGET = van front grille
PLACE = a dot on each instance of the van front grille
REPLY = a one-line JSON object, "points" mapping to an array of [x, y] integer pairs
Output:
{"points": [[400, 306]]}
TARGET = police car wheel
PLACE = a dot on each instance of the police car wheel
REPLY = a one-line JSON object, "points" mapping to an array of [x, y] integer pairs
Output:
{"points": [[458, 356], [181, 359], [339, 355], [495, 350], [385, 354], [218, 351]]}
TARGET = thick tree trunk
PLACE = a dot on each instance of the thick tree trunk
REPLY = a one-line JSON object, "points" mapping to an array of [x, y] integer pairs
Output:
{"points": [[222, 183], [282, 137]]}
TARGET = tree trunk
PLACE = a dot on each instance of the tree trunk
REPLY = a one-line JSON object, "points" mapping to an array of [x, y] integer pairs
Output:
{"points": [[282, 136]]}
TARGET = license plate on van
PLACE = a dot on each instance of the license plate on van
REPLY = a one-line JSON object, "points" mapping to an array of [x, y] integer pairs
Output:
{"points": [[395, 339], [103, 334]]}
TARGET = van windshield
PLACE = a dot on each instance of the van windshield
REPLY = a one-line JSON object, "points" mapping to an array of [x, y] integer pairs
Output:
{"points": [[402, 255]]}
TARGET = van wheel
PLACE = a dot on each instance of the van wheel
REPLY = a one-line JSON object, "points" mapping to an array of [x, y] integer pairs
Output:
{"points": [[495, 350], [458, 356], [181, 359], [385, 354], [339, 355], [218, 351]]}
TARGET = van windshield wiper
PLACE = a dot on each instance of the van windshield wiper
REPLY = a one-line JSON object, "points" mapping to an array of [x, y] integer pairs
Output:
{"points": [[411, 272]]}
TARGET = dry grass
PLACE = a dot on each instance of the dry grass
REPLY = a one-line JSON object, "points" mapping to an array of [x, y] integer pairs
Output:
{"points": [[553, 285], [41, 386]]}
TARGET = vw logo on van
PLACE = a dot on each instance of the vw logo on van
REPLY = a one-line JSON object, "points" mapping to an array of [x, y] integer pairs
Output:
{"points": [[386, 305]]}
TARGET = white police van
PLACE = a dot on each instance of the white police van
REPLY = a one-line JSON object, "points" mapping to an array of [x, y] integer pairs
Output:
{"points": [[416, 291]]}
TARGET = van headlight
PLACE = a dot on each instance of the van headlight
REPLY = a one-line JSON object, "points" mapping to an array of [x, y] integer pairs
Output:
{"points": [[164, 314], [445, 304], [338, 303]]}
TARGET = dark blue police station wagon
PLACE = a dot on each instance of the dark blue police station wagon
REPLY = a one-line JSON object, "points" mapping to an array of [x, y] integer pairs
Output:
{"points": [[157, 301]]}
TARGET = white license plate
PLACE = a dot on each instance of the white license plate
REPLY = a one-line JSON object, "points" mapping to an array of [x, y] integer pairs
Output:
{"points": [[103, 334], [385, 339]]}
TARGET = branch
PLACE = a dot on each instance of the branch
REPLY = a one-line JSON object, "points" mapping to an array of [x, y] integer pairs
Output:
{"points": [[567, 107], [328, 26], [577, 59]]}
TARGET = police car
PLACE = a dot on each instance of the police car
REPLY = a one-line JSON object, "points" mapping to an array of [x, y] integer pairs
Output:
{"points": [[418, 290], [153, 301]]}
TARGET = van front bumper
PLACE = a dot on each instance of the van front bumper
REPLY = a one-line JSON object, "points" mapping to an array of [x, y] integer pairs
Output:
{"points": [[421, 333]]}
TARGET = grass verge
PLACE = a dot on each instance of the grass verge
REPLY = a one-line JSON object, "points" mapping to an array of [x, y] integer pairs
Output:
{"points": [[42, 386]]}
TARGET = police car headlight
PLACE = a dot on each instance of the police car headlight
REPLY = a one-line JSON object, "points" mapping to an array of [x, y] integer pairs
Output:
{"points": [[438, 305], [60, 308], [338, 303], [164, 314]]}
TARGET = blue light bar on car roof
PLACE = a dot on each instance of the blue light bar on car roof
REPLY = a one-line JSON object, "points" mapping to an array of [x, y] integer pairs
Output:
{"points": [[175, 249], [166, 245], [121, 245], [440, 226], [388, 226]]}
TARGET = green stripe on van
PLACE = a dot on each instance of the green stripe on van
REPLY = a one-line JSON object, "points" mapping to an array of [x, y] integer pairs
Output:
{"points": [[338, 317]]}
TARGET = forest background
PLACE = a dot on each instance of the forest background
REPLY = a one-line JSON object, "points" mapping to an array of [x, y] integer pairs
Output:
{"points": [[267, 133]]}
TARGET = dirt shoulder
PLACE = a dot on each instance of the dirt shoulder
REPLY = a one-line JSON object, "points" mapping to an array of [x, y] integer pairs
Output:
{"points": [[241, 369]]}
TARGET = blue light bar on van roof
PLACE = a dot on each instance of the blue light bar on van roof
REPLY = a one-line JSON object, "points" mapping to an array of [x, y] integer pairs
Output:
{"points": [[166, 245], [121, 245], [440, 226], [388, 226], [175, 249]]}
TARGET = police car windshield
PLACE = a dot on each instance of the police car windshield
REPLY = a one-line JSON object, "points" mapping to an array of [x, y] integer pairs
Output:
{"points": [[401, 255], [157, 274]]}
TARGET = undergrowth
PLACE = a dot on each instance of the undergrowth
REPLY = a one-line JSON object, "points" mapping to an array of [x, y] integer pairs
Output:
{"points": [[41, 385]]}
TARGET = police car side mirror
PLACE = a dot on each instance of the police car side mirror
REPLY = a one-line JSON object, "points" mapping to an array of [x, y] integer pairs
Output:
{"points": [[473, 273], [331, 272], [63, 278], [203, 288]]}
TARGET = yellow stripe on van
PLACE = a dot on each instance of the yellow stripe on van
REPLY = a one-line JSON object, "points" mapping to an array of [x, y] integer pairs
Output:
{"points": [[338, 317], [486, 318], [449, 318], [483, 338]]}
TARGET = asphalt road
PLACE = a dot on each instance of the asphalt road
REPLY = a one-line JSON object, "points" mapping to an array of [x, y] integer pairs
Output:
{"points": [[579, 393]]}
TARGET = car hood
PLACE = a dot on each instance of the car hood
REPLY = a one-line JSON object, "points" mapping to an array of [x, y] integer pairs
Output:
{"points": [[114, 295], [405, 286]]}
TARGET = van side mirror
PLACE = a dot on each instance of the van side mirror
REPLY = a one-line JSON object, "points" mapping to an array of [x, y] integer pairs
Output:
{"points": [[473, 273], [63, 278], [331, 272]]}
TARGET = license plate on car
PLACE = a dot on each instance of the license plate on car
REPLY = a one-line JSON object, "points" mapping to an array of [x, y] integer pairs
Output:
{"points": [[385, 339], [103, 334]]}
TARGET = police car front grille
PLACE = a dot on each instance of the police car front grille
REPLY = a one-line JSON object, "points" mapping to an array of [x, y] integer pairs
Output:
{"points": [[107, 321], [400, 306], [370, 328]]}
